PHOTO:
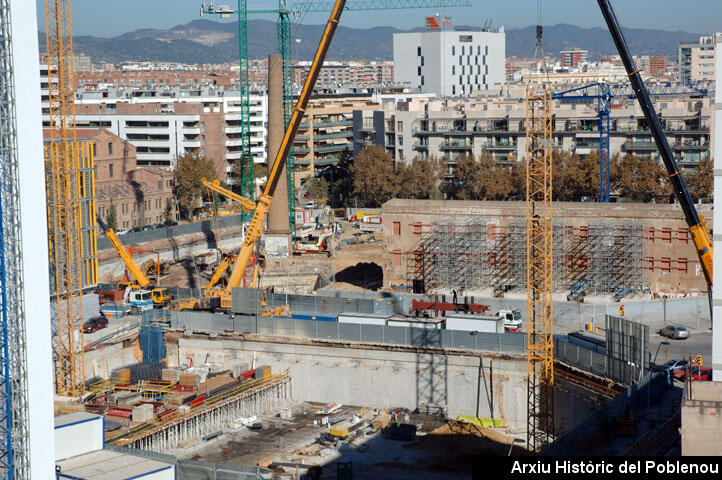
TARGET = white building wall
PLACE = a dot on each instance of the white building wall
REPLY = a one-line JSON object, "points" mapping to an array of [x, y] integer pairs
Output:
{"points": [[33, 202], [79, 438], [717, 246], [455, 63]]}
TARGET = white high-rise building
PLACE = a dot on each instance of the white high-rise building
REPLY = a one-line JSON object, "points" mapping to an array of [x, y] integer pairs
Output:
{"points": [[449, 62]]}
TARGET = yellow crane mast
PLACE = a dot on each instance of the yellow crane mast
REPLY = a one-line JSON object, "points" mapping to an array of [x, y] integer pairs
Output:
{"points": [[264, 200], [540, 346], [64, 191]]}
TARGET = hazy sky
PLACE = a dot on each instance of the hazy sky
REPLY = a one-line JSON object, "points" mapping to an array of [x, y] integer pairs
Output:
{"points": [[112, 17]]}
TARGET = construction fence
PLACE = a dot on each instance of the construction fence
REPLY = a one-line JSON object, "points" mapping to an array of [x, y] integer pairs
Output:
{"points": [[347, 332]]}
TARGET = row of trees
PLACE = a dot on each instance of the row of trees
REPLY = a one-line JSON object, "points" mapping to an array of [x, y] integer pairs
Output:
{"points": [[374, 178]]}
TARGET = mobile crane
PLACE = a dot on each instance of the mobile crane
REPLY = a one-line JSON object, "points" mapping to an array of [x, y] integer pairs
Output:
{"points": [[264, 200], [701, 235], [227, 261], [161, 296]]}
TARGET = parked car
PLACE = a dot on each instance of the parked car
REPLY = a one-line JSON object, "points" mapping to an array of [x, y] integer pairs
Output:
{"points": [[695, 373], [159, 225], [675, 332], [95, 323], [673, 365], [311, 204], [136, 229], [121, 232]]}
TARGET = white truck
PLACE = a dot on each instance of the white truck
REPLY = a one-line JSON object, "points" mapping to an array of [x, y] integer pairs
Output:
{"points": [[475, 323], [138, 300], [512, 319]]}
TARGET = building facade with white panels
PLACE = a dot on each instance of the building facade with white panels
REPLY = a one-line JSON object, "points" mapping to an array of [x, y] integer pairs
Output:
{"points": [[165, 123], [450, 62]]}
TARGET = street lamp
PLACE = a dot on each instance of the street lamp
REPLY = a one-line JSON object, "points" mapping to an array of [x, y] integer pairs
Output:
{"points": [[511, 445], [657, 352], [651, 288]]}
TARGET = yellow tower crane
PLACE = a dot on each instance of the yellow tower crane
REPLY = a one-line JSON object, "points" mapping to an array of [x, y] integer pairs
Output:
{"points": [[64, 193]]}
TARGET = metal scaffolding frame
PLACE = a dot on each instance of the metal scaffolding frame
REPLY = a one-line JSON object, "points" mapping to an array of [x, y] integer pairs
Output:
{"points": [[14, 439], [479, 254], [206, 421]]}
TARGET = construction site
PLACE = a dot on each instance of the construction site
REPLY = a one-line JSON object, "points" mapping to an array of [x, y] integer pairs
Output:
{"points": [[405, 341]]}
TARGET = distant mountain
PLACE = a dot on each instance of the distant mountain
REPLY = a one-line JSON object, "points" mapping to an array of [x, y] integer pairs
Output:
{"points": [[205, 41]]}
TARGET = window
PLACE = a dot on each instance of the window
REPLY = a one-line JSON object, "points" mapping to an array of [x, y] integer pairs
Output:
{"points": [[418, 71], [418, 51], [401, 140], [453, 69], [110, 170], [453, 50], [95, 149], [453, 89], [160, 184], [463, 50], [466, 39], [110, 148], [422, 79], [422, 61], [397, 228], [400, 126]]}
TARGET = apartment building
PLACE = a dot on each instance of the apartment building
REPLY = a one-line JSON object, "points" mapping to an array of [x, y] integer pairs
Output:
{"points": [[449, 62], [164, 123], [156, 78], [334, 74], [326, 131], [451, 129], [573, 58], [697, 60]]}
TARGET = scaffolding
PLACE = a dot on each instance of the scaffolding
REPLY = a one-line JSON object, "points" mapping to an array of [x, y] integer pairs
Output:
{"points": [[477, 254], [14, 421], [163, 436]]}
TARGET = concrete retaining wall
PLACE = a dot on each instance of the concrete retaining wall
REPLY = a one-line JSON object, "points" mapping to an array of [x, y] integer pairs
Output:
{"points": [[380, 378]]}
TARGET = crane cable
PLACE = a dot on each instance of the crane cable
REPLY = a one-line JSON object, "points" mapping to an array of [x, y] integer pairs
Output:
{"points": [[539, 45]]}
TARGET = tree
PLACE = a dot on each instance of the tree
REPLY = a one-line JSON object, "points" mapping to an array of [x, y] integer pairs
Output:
{"points": [[373, 176], [467, 179], [574, 178], [112, 218], [168, 216], [190, 169], [700, 182], [420, 179], [639, 179], [317, 188]]}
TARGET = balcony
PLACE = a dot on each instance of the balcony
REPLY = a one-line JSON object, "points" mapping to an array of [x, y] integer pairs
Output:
{"points": [[691, 146], [301, 150], [456, 146], [341, 123], [499, 146], [420, 146], [646, 146], [348, 134], [331, 148]]}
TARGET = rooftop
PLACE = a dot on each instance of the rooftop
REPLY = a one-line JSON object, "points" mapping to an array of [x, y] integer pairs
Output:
{"points": [[109, 465]]}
